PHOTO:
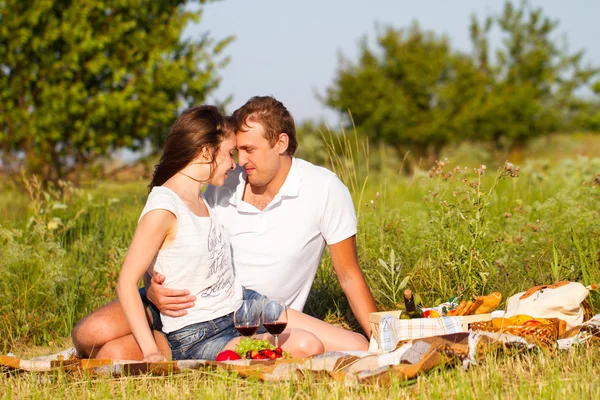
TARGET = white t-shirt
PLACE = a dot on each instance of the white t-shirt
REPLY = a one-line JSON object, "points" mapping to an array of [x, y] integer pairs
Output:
{"points": [[277, 251], [198, 259]]}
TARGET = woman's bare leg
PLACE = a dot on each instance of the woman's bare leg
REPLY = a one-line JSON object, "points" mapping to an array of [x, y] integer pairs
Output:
{"points": [[103, 326], [126, 348], [100, 327]]}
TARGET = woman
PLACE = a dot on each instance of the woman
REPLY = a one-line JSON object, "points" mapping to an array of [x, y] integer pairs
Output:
{"points": [[179, 237]]}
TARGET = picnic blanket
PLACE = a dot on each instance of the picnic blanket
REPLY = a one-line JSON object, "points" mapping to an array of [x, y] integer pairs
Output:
{"points": [[392, 328], [407, 361]]}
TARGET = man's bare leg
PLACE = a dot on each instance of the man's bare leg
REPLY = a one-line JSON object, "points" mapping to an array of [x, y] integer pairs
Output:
{"points": [[333, 337]]}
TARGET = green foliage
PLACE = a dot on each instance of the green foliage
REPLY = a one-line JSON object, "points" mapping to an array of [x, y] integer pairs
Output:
{"points": [[472, 230], [78, 80], [530, 89], [593, 117], [447, 231], [310, 145], [416, 93], [391, 283], [61, 260], [410, 94]]}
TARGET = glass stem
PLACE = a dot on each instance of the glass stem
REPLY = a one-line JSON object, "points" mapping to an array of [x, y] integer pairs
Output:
{"points": [[276, 340]]}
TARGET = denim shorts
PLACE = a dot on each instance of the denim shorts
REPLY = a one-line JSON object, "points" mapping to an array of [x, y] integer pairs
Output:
{"points": [[204, 340], [151, 311]]}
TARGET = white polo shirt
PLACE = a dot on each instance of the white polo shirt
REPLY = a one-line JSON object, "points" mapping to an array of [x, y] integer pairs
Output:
{"points": [[276, 251]]}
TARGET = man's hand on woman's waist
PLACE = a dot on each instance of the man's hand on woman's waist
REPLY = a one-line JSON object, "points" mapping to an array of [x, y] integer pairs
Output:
{"points": [[170, 302]]}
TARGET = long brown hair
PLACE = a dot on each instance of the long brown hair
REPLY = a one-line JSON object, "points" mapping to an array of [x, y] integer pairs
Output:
{"points": [[199, 127]]}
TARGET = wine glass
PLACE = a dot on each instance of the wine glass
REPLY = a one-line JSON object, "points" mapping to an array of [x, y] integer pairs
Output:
{"points": [[247, 318], [275, 317]]}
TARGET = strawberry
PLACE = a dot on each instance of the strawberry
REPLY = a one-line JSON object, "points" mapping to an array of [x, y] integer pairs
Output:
{"points": [[269, 354]]}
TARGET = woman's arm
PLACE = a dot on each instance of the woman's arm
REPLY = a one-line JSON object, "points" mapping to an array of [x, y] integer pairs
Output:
{"points": [[151, 232]]}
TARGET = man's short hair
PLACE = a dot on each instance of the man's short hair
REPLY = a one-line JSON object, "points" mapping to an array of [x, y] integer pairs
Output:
{"points": [[272, 115]]}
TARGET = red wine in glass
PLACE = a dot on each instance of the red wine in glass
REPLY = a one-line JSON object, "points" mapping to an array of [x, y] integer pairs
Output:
{"points": [[275, 328], [275, 317], [247, 330], [247, 318]]}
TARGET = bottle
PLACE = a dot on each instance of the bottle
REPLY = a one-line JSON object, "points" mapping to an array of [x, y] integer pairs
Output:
{"points": [[410, 310]]}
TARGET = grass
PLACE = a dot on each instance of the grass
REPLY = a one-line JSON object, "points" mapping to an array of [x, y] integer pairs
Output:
{"points": [[531, 376], [448, 229]]}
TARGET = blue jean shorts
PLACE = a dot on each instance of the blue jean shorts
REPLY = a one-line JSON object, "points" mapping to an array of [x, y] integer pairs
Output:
{"points": [[204, 340], [151, 311]]}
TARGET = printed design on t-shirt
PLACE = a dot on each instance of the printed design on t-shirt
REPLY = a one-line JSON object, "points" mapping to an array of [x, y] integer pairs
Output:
{"points": [[220, 265]]}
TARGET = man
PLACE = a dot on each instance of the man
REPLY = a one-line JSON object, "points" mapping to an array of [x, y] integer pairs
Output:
{"points": [[280, 212]]}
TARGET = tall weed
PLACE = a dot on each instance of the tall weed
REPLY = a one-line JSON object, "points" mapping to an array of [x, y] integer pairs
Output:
{"points": [[445, 231], [59, 261], [468, 231]]}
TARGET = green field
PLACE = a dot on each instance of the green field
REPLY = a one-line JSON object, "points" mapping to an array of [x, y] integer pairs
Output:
{"points": [[443, 230]]}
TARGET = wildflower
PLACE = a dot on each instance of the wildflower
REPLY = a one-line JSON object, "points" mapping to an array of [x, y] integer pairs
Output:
{"points": [[596, 181], [53, 224], [437, 168], [507, 215], [511, 169]]}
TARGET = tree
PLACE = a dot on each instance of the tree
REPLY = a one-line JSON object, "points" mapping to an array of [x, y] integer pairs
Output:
{"points": [[414, 92], [593, 119], [81, 79], [531, 88], [410, 94]]}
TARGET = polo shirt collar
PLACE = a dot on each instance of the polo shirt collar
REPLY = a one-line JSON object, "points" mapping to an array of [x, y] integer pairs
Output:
{"points": [[290, 187], [239, 189]]}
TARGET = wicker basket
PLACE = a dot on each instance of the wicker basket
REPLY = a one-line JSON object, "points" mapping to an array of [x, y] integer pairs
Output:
{"points": [[544, 334], [375, 317]]}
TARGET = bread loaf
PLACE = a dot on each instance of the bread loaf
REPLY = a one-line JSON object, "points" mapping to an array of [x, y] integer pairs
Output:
{"points": [[489, 303]]}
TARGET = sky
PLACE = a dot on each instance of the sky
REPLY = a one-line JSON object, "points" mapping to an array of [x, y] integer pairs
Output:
{"points": [[290, 49]]}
